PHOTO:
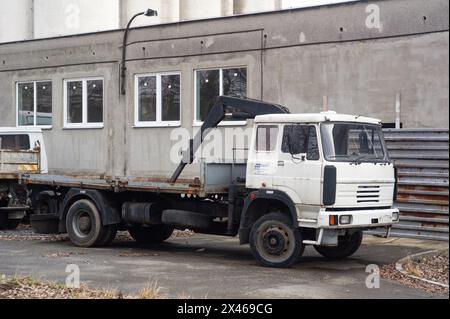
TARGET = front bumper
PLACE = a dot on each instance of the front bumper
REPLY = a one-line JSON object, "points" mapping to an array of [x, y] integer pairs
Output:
{"points": [[366, 218]]}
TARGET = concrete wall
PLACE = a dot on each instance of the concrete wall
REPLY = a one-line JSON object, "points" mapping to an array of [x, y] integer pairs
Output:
{"points": [[168, 11], [30, 19], [294, 63], [16, 19], [62, 17], [251, 6]]}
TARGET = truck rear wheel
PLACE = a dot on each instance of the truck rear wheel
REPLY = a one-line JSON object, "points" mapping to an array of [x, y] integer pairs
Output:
{"points": [[151, 235], [275, 242], [347, 246], [84, 225], [109, 235]]}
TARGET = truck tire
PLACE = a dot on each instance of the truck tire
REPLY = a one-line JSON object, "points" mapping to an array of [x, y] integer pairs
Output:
{"points": [[84, 225], [347, 247], [109, 236], [186, 219], [275, 242], [151, 235]]}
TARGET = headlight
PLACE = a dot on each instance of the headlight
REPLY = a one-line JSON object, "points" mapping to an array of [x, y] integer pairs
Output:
{"points": [[395, 216], [345, 219]]}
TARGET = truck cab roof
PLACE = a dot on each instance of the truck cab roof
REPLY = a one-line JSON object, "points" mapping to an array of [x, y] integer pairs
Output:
{"points": [[19, 130], [315, 118]]}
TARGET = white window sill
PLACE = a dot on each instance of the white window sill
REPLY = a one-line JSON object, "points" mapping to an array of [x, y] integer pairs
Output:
{"points": [[224, 123], [157, 124], [83, 127]]}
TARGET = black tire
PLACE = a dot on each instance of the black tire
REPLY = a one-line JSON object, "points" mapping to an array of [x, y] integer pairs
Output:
{"points": [[275, 242], [151, 235], [109, 236], [186, 219], [347, 247], [84, 225]]}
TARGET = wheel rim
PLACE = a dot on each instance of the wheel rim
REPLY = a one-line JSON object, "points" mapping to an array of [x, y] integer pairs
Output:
{"points": [[82, 223], [275, 242]]}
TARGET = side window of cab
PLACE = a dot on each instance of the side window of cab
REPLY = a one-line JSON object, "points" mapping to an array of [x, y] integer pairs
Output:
{"points": [[301, 139], [266, 138]]}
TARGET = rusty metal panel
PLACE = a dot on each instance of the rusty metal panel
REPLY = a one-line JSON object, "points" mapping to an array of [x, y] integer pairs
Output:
{"points": [[15, 162], [422, 160]]}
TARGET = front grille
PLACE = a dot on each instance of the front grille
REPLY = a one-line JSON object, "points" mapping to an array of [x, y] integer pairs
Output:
{"points": [[368, 194]]}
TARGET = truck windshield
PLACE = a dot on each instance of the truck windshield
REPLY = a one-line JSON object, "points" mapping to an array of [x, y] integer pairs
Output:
{"points": [[353, 142]]}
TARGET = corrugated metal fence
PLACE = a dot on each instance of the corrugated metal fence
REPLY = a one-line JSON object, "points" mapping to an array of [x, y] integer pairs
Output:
{"points": [[422, 159]]}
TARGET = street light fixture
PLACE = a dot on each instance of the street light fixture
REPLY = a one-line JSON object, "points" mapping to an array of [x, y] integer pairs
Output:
{"points": [[123, 74]]}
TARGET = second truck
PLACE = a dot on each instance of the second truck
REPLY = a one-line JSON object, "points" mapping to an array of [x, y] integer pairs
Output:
{"points": [[309, 179]]}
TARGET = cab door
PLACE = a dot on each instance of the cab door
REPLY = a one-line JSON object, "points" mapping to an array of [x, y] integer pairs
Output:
{"points": [[299, 166], [262, 162]]}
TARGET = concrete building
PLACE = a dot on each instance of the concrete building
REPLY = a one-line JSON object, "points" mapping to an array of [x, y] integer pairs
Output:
{"points": [[32, 19], [361, 55]]}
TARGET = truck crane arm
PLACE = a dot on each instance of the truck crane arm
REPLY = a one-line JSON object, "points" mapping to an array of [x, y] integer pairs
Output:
{"points": [[226, 107]]}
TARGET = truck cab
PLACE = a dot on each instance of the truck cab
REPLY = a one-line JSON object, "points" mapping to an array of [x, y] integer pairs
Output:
{"points": [[23, 140], [22, 151], [332, 171]]}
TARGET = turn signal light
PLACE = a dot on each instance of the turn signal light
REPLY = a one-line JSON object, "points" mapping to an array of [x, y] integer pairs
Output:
{"points": [[333, 220]]}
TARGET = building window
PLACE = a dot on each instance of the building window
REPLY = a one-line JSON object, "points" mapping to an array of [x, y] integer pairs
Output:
{"points": [[212, 83], [34, 103], [266, 138], [84, 103], [158, 100]]}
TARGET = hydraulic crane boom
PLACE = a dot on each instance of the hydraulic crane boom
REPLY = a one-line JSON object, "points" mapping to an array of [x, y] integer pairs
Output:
{"points": [[226, 107]]}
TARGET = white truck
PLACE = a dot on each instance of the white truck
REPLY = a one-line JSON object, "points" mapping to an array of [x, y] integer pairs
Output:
{"points": [[310, 179], [22, 150]]}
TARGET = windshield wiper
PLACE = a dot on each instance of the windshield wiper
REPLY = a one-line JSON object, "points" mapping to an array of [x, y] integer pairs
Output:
{"points": [[365, 156], [338, 156]]}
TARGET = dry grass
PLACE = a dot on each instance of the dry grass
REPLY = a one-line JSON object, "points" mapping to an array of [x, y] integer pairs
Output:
{"points": [[30, 288], [150, 291], [411, 268]]}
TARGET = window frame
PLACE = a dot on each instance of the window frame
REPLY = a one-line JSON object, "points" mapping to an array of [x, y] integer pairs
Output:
{"points": [[277, 139], [34, 104], [198, 122], [159, 122], [84, 92]]}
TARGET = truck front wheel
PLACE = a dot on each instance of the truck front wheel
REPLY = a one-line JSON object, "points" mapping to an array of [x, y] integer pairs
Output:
{"points": [[84, 225], [151, 235], [275, 242], [347, 246]]}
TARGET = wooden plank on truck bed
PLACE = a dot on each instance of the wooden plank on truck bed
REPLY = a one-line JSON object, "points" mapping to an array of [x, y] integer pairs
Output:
{"points": [[193, 187]]}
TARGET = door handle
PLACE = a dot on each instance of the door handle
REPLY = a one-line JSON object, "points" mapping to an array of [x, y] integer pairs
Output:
{"points": [[280, 163]]}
